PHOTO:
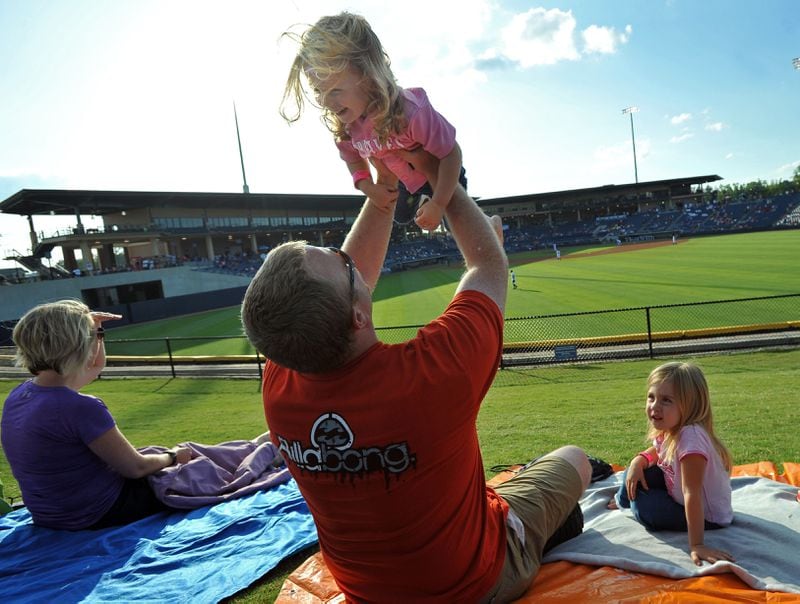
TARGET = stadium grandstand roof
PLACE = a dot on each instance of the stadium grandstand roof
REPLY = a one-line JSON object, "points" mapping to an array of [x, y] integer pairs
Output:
{"points": [[62, 202], [676, 186], [31, 202]]}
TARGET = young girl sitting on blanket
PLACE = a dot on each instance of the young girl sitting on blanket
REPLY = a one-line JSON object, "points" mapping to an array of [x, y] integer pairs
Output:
{"points": [[75, 469], [682, 482]]}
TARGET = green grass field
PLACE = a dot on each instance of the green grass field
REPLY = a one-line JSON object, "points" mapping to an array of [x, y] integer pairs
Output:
{"points": [[700, 269], [527, 411]]}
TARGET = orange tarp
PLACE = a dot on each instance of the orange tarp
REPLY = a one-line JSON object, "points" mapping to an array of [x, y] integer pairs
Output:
{"points": [[565, 582]]}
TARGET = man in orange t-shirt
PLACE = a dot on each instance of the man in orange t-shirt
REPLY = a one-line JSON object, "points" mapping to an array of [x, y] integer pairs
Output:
{"points": [[382, 439]]}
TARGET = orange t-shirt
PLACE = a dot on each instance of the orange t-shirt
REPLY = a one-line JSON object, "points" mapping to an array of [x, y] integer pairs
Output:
{"points": [[385, 452]]}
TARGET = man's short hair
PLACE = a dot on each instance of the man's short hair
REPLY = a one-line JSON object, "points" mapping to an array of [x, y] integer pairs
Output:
{"points": [[57, 335], [294, 318]]}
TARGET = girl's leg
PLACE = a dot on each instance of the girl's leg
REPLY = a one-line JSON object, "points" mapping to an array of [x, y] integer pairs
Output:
{"points": [[621, 497], [651, 475], [655, 508]]}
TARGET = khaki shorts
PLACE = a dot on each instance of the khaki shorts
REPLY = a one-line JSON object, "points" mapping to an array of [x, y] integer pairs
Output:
{"points": [[541, 496]]}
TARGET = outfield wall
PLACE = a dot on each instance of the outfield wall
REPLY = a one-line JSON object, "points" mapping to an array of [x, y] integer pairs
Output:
{"points": [[185, 289], [16, 300]]}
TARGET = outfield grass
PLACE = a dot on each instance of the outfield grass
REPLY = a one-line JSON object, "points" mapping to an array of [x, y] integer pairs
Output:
{"points": [[700, 269], [527, 412]]}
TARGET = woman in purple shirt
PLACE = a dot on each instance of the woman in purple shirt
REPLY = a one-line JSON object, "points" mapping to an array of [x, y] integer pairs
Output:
{"points": [[75, 469]]}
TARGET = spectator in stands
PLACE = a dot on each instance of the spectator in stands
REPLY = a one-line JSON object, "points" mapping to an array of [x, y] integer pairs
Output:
{"points": [[382, 439], [75, 469], [371, 117]]}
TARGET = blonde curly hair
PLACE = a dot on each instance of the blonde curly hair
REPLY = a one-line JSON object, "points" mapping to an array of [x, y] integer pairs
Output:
{"points": [[326, 50]]}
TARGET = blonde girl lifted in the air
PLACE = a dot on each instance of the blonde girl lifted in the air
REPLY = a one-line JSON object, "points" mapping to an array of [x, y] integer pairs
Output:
{"points": [[373, 119]]}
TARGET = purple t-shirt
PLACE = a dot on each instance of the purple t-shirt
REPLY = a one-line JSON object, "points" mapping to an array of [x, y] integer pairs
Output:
{"points": [[45, 434], [426, 128]]}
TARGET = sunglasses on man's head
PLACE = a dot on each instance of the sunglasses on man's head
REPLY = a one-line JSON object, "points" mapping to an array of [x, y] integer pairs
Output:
{"points": [[100, 332], [348, 261]]}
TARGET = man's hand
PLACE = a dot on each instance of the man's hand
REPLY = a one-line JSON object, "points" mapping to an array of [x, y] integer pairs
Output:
{"points": [[497, 225], [424, 162], [380, 195], [429, 216]]}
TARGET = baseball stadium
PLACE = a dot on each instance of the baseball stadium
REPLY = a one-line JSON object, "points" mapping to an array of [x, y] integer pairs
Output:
{"points": [[609, 281], [508, 310]]}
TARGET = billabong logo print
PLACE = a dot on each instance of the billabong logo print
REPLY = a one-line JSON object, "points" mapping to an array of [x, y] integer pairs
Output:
{"points": [[332, 450], [332, 431]]}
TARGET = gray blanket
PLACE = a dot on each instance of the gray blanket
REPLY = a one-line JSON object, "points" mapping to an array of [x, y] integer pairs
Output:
{"points": [[764, 538]]}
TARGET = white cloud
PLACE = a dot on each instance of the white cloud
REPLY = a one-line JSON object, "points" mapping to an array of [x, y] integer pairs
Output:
{"points": [[540, 37], [729, 156], [546, 37], [606, 160], [683, 137], [679, 119], [788, 168], [604, 40], [715, 127]]}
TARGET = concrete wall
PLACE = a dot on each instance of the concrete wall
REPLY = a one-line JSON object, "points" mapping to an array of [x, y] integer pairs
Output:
{"points": [[15, 300]]}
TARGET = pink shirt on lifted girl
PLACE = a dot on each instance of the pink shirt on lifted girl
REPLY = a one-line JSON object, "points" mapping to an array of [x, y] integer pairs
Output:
{"points": [[426, 128], [694, 440]]}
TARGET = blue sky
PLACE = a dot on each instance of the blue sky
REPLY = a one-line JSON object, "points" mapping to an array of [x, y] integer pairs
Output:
{"points": [[138, 94]]}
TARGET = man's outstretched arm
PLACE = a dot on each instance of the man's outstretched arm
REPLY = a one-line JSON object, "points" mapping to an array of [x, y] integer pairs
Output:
{"points": [[479, 238], [368, 239], [480, 241]]}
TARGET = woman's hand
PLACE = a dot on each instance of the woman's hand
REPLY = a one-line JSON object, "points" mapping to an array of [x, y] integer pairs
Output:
{"points": [[99, 317], [182, 454]]}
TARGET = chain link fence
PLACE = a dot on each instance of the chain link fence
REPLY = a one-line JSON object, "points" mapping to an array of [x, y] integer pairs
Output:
{"points": [[627, 333], [651, 331]]}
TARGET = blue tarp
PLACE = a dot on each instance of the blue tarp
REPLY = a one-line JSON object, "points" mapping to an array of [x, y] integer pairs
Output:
{"points": [[197, 556]]}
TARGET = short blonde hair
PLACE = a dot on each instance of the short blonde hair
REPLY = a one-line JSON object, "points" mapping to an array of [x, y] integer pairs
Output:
{"points": [[327, 49], [57, 335], [294, 318], [694, 405]]}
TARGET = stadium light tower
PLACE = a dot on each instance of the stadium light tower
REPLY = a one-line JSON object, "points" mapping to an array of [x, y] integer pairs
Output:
{"points": [[630, 111], [245, 188], [796, 62]]}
